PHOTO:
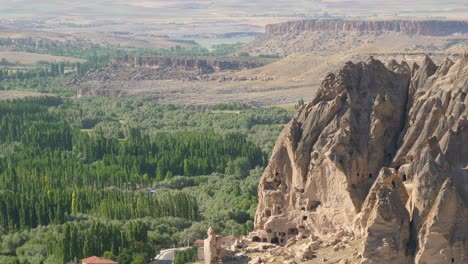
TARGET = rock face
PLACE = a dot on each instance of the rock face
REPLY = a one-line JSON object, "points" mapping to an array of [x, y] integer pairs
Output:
{"points": [[381, 153], [385, 221], [201, 65], [212, 248], [442, 235], [162, 77], [411, 27], [330, 36]]}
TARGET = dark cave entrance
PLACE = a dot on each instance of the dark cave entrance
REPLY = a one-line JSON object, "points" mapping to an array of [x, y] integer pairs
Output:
{"points": [[293, 231], [275, 240]]}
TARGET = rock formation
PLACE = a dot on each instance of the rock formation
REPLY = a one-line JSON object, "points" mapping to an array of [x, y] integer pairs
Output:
{"points": [[385, 221], [412, 27], [331, 36], [211, 247], [442, 235], [214, 250], [164, 78], [201, 65], [381, 153]]}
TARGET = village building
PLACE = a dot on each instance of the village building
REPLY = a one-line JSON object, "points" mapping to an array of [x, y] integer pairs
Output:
{"points": [[97, 260]]}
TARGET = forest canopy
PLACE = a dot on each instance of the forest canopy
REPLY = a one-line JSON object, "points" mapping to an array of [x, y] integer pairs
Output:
{"points": [[126, 177]]}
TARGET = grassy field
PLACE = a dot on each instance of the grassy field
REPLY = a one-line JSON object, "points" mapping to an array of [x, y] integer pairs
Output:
{"points": [[9, 95], [33, 58], [209, 42]]}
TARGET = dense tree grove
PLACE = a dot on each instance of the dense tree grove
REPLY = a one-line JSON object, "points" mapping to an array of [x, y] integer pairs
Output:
{"points": [[29, 210], [52, 86], [98, 54], [186, 256], [83, 240], [71, 187], [57, 155], [120, 178], [259, 125], [50, 69]]}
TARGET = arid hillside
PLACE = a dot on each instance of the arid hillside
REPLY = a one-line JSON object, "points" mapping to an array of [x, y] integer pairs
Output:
{"points": [[136, 23], [334, 35], [311, 49], [281, 82]]}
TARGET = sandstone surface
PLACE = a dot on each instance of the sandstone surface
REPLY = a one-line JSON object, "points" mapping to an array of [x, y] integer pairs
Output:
{"points": [[339, 35], [381, 154], [213, 251], [419, 27], [198, 64]]}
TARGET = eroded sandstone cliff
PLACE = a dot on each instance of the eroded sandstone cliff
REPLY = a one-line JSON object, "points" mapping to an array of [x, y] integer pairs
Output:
{"points": [[341, 35], [412, 27], [200, 65], [381, 153]]}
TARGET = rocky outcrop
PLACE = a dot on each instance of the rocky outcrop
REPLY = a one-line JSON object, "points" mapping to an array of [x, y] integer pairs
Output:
{"points": [[128, 75], [201, 65], [329, 156], [380, 153], [411, 27], [442, 235], [384, 221], [212, 248], [332, 36]]}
